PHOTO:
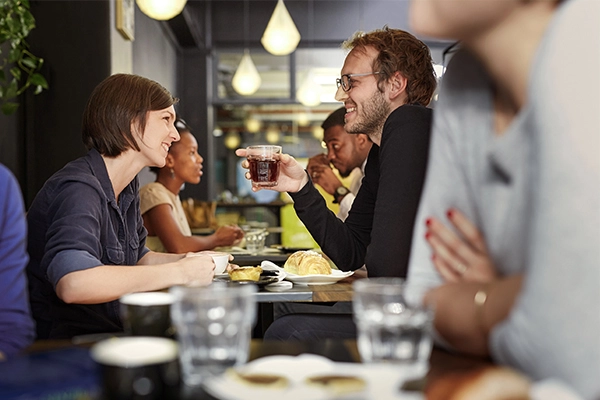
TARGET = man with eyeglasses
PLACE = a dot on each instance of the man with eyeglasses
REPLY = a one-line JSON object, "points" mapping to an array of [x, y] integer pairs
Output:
{"points": [[387, 81]]}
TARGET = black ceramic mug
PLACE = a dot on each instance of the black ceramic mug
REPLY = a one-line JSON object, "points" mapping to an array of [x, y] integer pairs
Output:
{"points": [[138, 368], [147, 314]]}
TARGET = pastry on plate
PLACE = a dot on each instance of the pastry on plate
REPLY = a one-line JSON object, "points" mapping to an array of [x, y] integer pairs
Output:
{"points": [[245, 274], [338, 384], [266, 381], [307, 263]]}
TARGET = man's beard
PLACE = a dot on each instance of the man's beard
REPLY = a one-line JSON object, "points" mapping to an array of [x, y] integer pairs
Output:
{"points": [[374, 112]]}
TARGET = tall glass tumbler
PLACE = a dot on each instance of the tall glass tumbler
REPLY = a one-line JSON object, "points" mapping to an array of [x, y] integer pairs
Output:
{"points": [[393, 325], [213, 326]]}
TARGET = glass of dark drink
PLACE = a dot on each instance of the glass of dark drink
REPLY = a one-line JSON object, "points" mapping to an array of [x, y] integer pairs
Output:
{"points": [[263, 163]]}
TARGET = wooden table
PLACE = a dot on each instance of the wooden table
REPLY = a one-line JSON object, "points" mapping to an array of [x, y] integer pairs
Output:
{"points": [[340, 291], [442, 363]]}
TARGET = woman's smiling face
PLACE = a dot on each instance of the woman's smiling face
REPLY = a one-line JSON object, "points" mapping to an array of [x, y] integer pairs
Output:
{"points": [[157, 137]]}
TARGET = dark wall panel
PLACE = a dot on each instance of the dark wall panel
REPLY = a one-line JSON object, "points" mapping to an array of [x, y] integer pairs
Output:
{"points": [[73, 38]]}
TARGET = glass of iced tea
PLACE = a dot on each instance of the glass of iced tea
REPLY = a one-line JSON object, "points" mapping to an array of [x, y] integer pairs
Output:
{"points": [[263, 163]]}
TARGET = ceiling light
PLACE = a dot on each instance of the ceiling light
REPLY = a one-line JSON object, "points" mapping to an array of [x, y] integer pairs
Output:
{"points": [[252, 125], [317, 133], [281, 36], [309, 93], [161, 9], [272, 135], [232, 140], [246, 79]]}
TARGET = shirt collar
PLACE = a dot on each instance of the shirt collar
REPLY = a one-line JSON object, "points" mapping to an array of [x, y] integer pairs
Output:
{"points": [[98, 168]]}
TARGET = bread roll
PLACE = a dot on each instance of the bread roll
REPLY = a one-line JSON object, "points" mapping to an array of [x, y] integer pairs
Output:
{"points": [[245, 274], [307, 263]]}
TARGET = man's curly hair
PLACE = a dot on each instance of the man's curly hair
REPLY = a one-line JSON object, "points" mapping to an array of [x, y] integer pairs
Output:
{"points": [[402, 52]]}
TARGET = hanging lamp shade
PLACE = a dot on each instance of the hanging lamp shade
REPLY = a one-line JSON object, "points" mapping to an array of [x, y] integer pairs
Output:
{"points": [[309, 93], [246, 79], [281, 36], [161, 9]]}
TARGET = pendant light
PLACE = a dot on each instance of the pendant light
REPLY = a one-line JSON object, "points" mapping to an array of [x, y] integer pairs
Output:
{"points": [[281, 35], [246, 79], [309, 93], [161, 9]]}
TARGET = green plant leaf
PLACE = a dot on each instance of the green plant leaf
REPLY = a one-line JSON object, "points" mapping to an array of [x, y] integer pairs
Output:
{"points": [[30, 62], [16, 22], [9, 108], [16, 73], [15, 54], [39, 80]]}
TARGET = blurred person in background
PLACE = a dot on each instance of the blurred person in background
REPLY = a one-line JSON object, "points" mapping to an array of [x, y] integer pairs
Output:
{"points": [[16, 325], [163, 214], [348, 154], [509, 223]]}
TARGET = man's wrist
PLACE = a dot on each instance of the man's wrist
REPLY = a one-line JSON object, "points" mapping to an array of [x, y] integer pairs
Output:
{"points": [[340, 193]]}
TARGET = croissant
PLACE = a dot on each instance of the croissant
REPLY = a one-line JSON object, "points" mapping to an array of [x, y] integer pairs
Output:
{"points": [[307, 263], [245, 274]]}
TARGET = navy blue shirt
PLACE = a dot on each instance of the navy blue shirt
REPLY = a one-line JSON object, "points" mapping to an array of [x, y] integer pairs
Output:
{"points": [[75, 223]]}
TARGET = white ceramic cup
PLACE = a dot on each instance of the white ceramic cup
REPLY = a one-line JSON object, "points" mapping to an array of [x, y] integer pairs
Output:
{"points": [[221, 261]]}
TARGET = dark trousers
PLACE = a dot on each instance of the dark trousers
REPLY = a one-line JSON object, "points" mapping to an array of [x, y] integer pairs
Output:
{"points": [[312, 327]]}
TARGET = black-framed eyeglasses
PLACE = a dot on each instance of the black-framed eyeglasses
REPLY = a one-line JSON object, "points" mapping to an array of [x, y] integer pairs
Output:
{"points": [[345, 81]]}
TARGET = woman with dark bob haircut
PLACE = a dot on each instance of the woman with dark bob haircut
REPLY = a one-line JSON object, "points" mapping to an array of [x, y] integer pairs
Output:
{"points": [[86, 238]]}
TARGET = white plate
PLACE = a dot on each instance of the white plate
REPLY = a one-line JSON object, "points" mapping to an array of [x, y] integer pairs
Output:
{"points": [[315, 279], [319, 279], [382, 380]]}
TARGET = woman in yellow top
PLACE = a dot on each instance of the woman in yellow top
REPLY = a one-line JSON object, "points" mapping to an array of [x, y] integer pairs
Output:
{"points": [[164, 218]]}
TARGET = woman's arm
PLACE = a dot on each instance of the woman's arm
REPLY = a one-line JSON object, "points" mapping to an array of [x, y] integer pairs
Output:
{"points": [[106, 283], [160, 221], [465, 313]]}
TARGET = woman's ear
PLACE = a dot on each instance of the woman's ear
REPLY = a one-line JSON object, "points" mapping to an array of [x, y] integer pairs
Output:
{"points": [[169, 161], [397, 86]]}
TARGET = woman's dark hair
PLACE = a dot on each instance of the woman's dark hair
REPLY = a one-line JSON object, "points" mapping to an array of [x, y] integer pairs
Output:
{"points": [[116, 103], [399, 51]]}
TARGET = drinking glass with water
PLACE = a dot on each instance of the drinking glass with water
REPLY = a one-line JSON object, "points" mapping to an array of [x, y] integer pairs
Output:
{"points": [[393, 326], [214, 327]]}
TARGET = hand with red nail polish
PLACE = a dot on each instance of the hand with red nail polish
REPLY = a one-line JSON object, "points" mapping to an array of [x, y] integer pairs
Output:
{"points": [[459, 254]]}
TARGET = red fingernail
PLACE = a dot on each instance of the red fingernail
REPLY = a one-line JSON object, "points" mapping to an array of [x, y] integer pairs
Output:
{"points": [[427, 235], [433, 257], [450, 213], [428, 222]]}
